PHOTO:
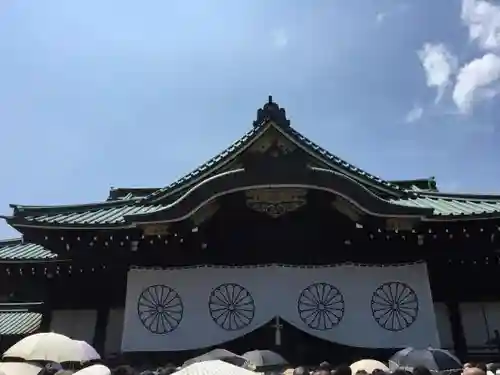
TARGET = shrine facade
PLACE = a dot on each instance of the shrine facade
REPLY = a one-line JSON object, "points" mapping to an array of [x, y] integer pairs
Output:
{"points": [[276, 243]]}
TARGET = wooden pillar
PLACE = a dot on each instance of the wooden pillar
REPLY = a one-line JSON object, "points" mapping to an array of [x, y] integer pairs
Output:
{"points": [[46, 317], [103, 307], [47, 307], [457, 329], [101, 326]]}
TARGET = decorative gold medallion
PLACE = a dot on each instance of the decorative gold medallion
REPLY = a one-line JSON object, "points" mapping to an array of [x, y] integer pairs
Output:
{"points": [[276, 202]]}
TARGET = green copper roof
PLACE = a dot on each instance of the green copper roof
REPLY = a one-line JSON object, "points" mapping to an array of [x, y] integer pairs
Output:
{"points": [[16, 250], [443, 206], [20, 318], [420, 193], [454, 204], [16, 319]]}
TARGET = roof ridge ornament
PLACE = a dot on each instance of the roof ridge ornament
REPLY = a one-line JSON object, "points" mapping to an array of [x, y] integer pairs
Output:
{"points": [[271, 112]]}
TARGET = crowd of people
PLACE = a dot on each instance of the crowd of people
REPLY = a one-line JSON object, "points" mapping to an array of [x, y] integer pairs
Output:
{"points": [[323, 369], [55, 354]]}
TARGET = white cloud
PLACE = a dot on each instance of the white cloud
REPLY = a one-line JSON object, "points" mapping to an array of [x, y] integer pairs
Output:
{"points": [[483, 20], [439, 65], [414, 115], [475, 80], [394, 11]]}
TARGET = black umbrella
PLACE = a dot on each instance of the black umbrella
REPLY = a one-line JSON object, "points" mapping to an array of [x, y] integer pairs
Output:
{"points": [[220, 354], [431, 358], [265, 359]]}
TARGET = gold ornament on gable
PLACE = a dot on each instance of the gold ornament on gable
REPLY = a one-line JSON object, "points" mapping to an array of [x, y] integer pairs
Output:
{"points": [[276, 202]]}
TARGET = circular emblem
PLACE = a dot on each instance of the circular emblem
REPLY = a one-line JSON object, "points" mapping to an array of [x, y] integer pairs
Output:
{"points": [[231, 306], [160, 309], [321, 306], [394, 306]]}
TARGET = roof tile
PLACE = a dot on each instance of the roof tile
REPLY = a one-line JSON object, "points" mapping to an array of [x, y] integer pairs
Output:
{"points": [[20, 322], [16, 249]]}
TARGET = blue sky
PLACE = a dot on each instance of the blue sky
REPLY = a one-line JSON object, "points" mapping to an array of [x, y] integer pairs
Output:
{"points": [[97, 94]]}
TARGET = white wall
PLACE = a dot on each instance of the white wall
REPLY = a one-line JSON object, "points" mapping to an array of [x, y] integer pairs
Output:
{"points": [[479, 321], [443, 325], [114, 331], [77, 324]]}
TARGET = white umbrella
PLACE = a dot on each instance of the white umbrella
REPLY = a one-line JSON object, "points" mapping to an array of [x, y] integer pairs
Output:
{"points": [[39, 347], [78, 351], [216, 367], [52, 347], [19, 368], [368, 365], [94, 370]]}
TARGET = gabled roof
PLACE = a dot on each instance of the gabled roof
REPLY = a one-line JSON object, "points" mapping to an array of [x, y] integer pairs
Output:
{"points": [[271, 115], [17, 250], [123, 202]]}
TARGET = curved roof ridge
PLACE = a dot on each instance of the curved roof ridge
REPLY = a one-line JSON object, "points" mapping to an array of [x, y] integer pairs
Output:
{"points": [[220, 158], [341, 162], [26, 210], [464, 196]]}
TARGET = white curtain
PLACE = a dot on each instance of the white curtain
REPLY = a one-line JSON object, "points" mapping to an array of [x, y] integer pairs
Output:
{"points": [[180, 309]]}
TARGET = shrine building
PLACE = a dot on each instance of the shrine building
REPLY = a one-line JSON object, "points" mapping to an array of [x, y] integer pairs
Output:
{"points": [[275, 243]]}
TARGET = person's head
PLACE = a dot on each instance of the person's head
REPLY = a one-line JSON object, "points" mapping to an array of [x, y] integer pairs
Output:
{"points": [[165, 370], [325, 366], [123, 370], [378, 371], [51, 368], [421, 370], [473, 371], [468, 365], [300, 371], [482, 366], [400, 371], [361, 372], [343, 370]]}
